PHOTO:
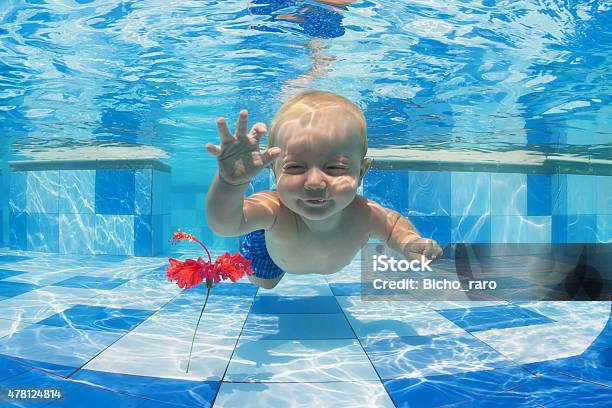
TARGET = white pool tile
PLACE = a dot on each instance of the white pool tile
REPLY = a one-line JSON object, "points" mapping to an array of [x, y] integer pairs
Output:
{"points": [[138, 294], [299, 361], [530, 344], [164, 356], [336, 394], [10, 327], [393, 318], [41, 303]]}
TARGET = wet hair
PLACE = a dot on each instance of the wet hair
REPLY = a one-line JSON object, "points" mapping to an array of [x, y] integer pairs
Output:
{"points": [[315, 100]]}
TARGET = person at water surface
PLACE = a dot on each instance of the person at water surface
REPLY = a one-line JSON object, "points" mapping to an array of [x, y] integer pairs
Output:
{"points": [[315, 222]]}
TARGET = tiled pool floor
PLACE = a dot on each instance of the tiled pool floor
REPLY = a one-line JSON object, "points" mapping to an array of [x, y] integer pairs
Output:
{"points": [[112, 331]]}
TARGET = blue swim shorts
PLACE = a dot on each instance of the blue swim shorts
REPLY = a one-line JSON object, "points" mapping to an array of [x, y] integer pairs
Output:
{"points": [[253, 247]]}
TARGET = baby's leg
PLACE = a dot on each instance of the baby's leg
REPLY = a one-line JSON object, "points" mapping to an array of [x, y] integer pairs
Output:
{"points": [[265, 283]]}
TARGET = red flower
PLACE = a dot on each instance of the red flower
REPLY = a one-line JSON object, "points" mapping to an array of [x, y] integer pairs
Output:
{"points": [[191, 273], [232, 267]]}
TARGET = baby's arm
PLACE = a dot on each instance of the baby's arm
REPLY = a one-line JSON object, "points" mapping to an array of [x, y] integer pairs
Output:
{"points": [[239, 160], [229, 214], [399, 234]]}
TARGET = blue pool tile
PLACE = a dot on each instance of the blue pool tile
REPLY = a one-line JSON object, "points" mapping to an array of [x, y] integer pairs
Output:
{"points": [[295, 304], [389, 188], [77, 188], [508, 194], [345, 289], [115, 192], [161, 232], [143, 235], [479, 388], [554, 389], [43, 232], [105, 319], [43, 192], [162, 192], [10, 289], [593, 365], [297, 326], [42, 365], [156, 390], [4, 259], [436, 228], [559, 194], [7, 273], [143, 184], [470, 193], [76, 233], [494, 317], [77, 392], [539, 194], [17, 191], [64, 346], [91, 282], [471, 229], [430, 193], [18, 230], [10, 367], [574, 228], [423, 356]]}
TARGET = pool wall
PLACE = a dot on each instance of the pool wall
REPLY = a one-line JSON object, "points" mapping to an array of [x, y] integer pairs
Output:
{"points": [[89, 207], [133, 211]]}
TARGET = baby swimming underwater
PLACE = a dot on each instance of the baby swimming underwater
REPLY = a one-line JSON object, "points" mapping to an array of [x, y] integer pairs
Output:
{"points": [[315, 222]]}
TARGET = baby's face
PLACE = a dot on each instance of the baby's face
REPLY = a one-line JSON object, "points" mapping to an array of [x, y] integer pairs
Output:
{"points": [[318, 171]]}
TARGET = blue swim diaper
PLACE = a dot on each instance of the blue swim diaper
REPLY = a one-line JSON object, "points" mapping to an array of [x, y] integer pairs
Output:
{"points": [[253, 247]]}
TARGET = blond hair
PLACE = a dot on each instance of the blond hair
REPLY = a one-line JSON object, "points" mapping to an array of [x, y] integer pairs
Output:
{"points": [[317, 100]]}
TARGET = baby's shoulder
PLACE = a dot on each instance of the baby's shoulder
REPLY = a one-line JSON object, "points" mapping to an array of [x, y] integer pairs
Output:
{"points": [[376, 215], [367, 206]]}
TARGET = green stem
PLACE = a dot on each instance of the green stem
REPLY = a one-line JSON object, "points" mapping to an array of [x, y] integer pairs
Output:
{"points": [[196, 328]]}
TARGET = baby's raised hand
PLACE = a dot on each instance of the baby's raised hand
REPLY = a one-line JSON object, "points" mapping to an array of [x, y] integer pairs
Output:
{"points": [[238, 156]]}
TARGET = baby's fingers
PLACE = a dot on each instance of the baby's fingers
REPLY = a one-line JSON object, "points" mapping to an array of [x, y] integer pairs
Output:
{"points": [[270, 155], [433, 250], [213, 149], [258, 130], [223, 130]]}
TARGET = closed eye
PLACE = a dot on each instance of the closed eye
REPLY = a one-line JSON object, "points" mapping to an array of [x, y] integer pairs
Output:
{"points": [[293, 168]]}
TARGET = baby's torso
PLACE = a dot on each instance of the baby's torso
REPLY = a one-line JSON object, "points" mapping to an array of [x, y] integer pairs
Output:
{"points": [[295, 249]]}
